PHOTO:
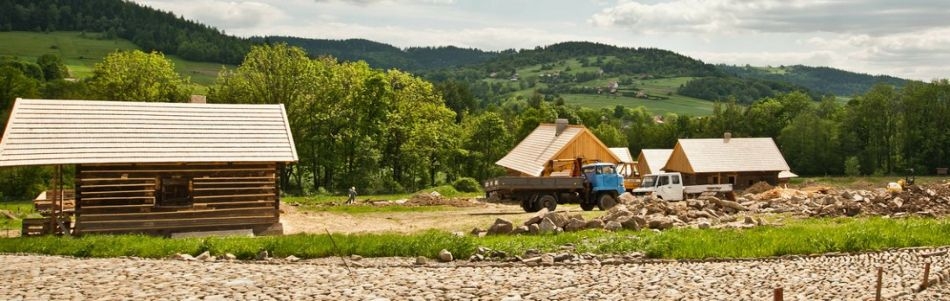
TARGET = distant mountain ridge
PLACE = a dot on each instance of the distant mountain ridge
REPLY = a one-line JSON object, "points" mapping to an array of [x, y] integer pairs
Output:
{"points": [[825, 80], [385, 56]]}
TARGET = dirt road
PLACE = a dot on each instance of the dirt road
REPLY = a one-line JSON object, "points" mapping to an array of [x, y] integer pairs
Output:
{"points": [[452, 219]]}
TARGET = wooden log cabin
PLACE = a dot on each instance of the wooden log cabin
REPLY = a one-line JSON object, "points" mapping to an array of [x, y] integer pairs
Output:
{"points": [[156, 168]]}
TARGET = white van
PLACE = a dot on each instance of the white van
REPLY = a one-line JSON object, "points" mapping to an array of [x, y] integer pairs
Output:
{"points": [[669, 186]]}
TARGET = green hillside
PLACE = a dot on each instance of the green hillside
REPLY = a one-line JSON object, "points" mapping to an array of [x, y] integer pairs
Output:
{"points": [[582, 81], [81, 51]]}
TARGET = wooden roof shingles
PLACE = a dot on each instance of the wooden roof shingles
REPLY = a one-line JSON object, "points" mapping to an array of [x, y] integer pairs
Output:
{"points": [[732, 155], [533, 153], [623, 154], [655, 159], [50, 132]]}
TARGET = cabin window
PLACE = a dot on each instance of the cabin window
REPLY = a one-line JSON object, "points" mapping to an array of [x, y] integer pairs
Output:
{"points": [[175, 192], [676, 179], [732, 180], [664, 180]]}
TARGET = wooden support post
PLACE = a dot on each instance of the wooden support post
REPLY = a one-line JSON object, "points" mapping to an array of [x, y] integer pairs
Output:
{"points": [[778, 294], [926, 282], [877, 292]]}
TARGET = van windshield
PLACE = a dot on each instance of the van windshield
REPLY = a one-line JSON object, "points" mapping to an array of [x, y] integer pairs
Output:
{"points": [[648, 181]]}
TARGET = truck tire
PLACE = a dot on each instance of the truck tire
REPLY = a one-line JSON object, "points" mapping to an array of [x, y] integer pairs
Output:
{"points": [[606, 201], [547, 201], [528, 206], [587, 206]]}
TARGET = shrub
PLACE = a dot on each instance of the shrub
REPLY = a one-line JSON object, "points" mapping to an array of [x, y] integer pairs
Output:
{"points": [[466, 185], [852, 166]]}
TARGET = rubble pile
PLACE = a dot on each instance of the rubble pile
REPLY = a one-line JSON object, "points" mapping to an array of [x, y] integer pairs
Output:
{"points": [[634, 214], [436, 199], [711, 212], [929, 200]]}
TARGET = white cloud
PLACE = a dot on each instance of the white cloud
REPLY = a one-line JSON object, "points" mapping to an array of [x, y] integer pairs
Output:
{"points": [[367, 2], [875, 17], [230, 15]]}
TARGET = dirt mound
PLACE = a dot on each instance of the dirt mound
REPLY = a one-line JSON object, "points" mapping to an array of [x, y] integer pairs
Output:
{"points": [[759, 187], [436, 199]]}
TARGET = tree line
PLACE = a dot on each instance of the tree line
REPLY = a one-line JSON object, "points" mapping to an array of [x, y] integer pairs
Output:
{"points": [[148, 28], [823, 80], [391, 131], [745, 91]]}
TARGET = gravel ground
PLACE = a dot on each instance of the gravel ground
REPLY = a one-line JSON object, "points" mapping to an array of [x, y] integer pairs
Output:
{"points": [[851, 277]]}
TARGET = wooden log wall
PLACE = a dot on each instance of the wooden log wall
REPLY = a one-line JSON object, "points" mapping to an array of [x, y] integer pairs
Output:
{"points": [[126, 198]]}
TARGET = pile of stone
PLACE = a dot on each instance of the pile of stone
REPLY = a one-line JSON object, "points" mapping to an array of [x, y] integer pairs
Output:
{"points": [[436, 199], [637, 213], [930, 200], [633, 214]]}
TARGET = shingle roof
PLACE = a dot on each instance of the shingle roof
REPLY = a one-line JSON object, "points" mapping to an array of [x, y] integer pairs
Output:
{"points": [[532, 153], [49, 132], [623, 154], [736, 155], [656, 158]]}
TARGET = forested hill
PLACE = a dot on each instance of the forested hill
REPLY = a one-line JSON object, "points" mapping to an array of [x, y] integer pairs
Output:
{"points": [[385, 56], [823, 80], [148, 28], [612, 59]]}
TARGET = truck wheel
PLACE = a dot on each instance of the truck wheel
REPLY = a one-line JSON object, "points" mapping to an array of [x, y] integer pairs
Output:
{"points": [[547, 201], [587, 206], [527, 206], [606, 201]]}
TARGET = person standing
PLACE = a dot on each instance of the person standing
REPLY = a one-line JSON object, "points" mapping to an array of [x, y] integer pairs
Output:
{"points": [[352, 193]]}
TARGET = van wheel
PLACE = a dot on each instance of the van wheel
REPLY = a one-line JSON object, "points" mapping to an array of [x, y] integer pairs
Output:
{"points": [[606, 201], [547, 201]]}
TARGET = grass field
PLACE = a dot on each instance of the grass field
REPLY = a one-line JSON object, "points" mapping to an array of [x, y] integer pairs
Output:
{"points": [[676, 104], [799, 237], [82, 51]]}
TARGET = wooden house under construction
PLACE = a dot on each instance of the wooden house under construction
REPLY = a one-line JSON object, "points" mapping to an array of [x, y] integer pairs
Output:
{"points": [[157, 168], [551, 149]]}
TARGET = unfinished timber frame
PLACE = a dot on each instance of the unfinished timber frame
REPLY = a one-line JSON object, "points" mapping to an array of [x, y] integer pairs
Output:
{"points": [[156, 168]]}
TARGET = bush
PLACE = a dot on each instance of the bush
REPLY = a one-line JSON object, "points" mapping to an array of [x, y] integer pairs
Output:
{"points": [[852, 166], [466, 185]]}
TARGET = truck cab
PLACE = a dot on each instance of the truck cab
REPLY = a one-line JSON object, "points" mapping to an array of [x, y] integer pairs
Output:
{"points": [[603, 177], [667, 186]]}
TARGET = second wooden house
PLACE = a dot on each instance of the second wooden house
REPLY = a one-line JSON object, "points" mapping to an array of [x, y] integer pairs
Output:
{"points": [[737, 161]]}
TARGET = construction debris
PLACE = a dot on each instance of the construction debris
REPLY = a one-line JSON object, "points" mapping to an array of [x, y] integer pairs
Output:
{"points": [[711, 212]]}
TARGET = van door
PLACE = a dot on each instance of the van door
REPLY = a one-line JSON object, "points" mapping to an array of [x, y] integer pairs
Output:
{"points": [[663, 187]]}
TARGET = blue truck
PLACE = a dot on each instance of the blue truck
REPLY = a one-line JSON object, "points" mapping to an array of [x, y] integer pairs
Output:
{"points": [[592, 185]]}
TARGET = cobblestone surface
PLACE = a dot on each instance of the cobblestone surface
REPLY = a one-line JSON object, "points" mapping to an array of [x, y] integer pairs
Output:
{"points": [[851, 277]]}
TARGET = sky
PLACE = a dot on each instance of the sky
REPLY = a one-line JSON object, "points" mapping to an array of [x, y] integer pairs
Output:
{"points": [[908, 38]]}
